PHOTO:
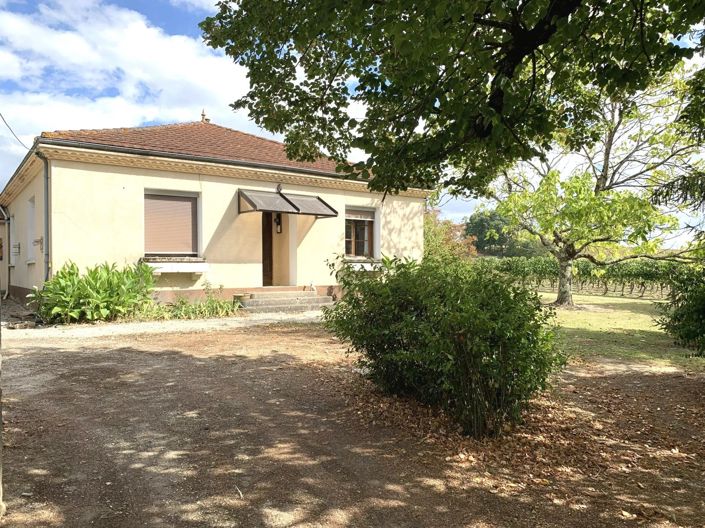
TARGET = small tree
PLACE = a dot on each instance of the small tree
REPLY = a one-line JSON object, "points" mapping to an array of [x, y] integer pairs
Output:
{"points": [[494, 237], [602, 209], [445, 239]]}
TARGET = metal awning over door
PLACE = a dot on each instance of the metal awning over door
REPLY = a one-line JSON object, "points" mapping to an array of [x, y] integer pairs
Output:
{"points": [[250, 201]]}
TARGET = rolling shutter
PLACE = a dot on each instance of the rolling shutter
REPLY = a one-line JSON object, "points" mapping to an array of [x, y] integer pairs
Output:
{"points": [[170, 225]]}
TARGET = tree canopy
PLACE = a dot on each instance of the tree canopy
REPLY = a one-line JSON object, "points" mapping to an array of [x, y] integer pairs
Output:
{"points": [[596, 203], [472, 85], [494, 236]]}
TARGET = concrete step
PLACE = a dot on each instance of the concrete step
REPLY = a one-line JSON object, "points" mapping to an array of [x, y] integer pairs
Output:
{"points": [[283, 294], [286, 308], [276, 301]]}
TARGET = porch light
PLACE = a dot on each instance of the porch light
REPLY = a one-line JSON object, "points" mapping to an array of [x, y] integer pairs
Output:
{"points": [[278, 222]]}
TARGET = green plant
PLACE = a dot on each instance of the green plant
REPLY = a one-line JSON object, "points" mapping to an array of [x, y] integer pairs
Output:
{"points": [[450, 334], [213, 305], [102, 293], [442, 239], [683, 316]]}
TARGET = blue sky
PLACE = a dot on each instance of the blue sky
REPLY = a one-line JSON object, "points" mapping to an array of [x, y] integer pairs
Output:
{"points": [[69, 64]]}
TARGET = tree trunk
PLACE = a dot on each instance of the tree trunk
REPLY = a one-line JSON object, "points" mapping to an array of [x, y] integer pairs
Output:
{"points": [[565, 283]]}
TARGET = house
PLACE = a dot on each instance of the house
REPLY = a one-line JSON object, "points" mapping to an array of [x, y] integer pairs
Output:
{"points": [[200, 203]]}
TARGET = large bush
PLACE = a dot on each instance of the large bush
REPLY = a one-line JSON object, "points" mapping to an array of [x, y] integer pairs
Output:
{"points": [[683, 316], [449, 335], [102, 293]]}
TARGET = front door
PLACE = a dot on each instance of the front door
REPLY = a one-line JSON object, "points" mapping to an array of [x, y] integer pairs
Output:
{"points": [[267, 257]]}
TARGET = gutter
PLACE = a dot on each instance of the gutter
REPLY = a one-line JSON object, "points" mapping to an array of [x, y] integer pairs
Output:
{"points": [[42, 157]]}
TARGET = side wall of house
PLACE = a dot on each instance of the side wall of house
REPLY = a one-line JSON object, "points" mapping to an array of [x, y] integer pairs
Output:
{"points": [[24, 251], [98, 216]]}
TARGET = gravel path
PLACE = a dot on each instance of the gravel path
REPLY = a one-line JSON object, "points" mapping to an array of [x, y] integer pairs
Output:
{"points": [[86, 331]]}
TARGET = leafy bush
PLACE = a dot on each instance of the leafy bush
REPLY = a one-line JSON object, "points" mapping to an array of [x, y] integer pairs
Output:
{"points": [[449, 334], [212, 306], [102, 293], [683, 316]]}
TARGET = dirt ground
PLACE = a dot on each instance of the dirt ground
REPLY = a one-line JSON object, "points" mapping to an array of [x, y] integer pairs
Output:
{"points": [[271, 426]]}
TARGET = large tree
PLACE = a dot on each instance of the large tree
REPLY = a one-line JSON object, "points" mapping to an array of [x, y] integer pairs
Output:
{"points": [[596, 203], [470, 85]]}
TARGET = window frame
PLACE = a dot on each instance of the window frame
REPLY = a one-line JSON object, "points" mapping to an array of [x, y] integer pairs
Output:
{"points": [[196, 227], [369, 227], [12, 256], [31, 230]]}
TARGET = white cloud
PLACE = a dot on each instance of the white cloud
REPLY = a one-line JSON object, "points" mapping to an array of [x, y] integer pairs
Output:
{"points": [[10, 66], [88, 64], [196, 5]]}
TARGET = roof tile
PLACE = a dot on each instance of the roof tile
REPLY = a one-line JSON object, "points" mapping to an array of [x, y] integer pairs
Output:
{"points": [[198, 139]]}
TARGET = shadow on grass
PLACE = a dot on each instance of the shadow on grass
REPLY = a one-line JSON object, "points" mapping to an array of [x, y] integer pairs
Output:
{"points": [[643, 307], [159, 436], [627, 345]]}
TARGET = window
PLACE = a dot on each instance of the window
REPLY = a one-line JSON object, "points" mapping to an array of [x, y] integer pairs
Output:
{"points": [[15, 246], [170, 225], [359, 231], [31, 232]]}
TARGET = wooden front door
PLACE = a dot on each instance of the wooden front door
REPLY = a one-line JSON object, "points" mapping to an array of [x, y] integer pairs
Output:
{"points": [[267, 257]]}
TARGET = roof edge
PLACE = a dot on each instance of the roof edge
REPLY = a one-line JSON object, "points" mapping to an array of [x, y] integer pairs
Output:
{"points": [[187, 157], [31, 152], [254, 172]]}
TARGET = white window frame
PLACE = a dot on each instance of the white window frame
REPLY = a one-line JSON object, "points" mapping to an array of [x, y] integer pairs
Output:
{"points": [[31, 230], [13, 241], [375, 231], [199, 213]]}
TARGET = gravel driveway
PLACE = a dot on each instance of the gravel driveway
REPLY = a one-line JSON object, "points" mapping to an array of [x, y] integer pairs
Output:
{"points": [[237, 428], [268, 426]]}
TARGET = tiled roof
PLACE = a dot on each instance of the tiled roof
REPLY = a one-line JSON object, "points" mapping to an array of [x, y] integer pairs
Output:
{"points": [[197, 139]]}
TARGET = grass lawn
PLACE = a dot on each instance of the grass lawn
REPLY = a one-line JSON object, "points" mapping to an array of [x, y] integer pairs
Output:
{"points": [[620, 329]]}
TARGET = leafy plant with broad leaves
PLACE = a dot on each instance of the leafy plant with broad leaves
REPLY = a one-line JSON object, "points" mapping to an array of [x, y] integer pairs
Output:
{"points": [[102, 293], [449, 334]]}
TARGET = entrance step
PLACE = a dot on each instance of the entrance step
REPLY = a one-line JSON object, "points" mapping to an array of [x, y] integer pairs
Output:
{"points": [[283, 294], [299, 301]]}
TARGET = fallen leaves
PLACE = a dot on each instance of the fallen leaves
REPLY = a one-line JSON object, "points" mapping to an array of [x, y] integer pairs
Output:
{"points": [[582, 446]]}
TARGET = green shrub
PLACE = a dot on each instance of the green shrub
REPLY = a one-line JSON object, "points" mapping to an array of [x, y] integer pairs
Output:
{"points": [[450, 334], [683, 316], [212, 306], [102, 293]]}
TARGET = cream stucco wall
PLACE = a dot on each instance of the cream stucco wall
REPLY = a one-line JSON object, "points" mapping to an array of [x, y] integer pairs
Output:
{"points": [[26, 269], [97, 215]]}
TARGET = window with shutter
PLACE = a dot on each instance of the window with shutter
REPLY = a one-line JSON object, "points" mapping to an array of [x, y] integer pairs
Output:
{"points": [[359, 231], [170, 225]]}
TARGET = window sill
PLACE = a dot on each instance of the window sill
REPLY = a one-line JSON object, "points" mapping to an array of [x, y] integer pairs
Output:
{"points": [[362, 263], [192, 265], [30, 262]]}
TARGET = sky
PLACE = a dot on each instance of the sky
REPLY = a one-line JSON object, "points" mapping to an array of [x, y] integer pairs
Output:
{"points": [[71, 64]]}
